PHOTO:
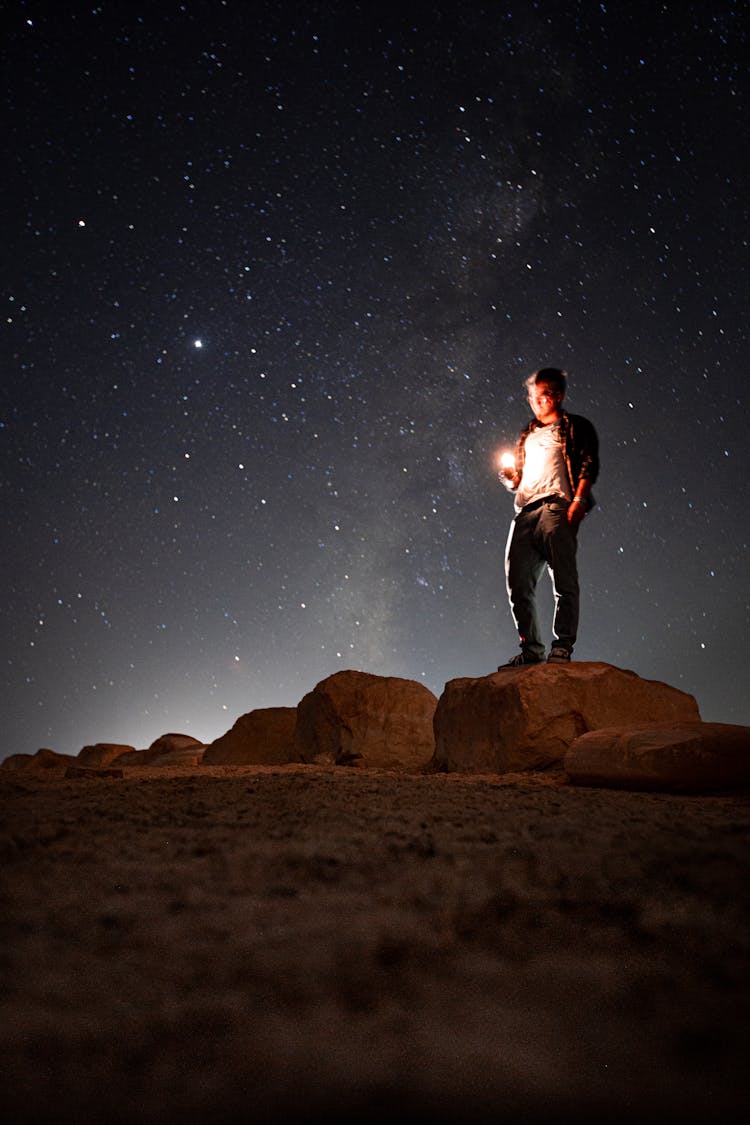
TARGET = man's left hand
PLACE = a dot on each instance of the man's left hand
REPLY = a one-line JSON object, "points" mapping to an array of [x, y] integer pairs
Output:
{"points": [[575, 513]]}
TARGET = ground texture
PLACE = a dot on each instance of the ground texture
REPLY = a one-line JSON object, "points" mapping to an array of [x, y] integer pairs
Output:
{"points": [[285, 943]]}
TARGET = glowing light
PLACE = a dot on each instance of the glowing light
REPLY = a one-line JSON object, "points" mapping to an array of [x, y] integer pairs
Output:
{"points": [[197, 343], [507, 461]]}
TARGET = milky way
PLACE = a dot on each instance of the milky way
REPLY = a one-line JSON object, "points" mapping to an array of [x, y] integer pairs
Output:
{"points": [[273, 278]]}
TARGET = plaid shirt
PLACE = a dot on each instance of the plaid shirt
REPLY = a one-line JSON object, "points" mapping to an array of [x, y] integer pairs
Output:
{"points": [[580, 450]]}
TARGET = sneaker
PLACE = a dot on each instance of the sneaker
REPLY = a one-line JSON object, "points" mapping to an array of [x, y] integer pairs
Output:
{"points": [[559, 655], [521, 659]]}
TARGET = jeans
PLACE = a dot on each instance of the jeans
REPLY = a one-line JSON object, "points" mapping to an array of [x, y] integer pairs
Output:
{"points": [[541, 536]]}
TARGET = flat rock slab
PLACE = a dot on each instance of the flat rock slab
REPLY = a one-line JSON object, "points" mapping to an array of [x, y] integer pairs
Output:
{"points": [[692, 756], [526, 718]]}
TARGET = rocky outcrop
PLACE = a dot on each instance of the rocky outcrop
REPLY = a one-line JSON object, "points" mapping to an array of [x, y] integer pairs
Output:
{"points": [[526, 718], [43, 761], [688, 756], [102, 753], [355, 718], [263, 737], [603, 725]]}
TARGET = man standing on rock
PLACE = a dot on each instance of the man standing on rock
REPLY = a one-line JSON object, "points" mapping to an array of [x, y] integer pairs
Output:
{"points": [[556, 462]]}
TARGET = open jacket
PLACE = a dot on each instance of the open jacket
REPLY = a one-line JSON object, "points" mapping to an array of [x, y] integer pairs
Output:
{"points": [[580, 450]]}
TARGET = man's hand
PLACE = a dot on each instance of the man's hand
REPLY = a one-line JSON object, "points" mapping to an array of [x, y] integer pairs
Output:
{"points": [[576, 512]]}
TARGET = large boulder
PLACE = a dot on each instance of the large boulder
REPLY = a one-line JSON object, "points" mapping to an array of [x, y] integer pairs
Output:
{"points": [[102, 753], [355, 718], [688, 756], [526, 718], [263, 737]]}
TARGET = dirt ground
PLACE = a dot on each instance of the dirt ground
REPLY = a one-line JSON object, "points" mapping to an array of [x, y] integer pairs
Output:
{"points": [[282, 944]]}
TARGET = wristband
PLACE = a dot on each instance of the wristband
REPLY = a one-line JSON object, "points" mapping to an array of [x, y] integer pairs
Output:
{"points": [[578, 500]]}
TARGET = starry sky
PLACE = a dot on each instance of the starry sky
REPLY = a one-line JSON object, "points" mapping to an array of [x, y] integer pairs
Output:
{"points": [[274, 275]]}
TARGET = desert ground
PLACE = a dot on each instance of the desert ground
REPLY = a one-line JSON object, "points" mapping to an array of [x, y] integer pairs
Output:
{"points": [[297, 942]]}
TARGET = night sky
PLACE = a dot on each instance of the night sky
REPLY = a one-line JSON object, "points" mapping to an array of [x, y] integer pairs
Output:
{"points": [[274, 275]]}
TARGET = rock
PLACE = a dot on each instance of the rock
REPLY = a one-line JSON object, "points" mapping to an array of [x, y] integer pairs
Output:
{"points": [[167, 750], [263, 737], [180, 756], [687, 756], [135, 758], [355, 717], [43, 761], [526, 718], [16, 761], [167, 742], [102, 753]]}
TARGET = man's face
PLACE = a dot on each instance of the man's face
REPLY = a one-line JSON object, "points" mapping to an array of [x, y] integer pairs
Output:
{"points": [[545, 402]]}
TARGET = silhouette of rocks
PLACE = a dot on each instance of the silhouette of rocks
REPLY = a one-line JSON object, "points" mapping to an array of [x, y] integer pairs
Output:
{"points": [[42, 761], [690, 756], [526, 718], [102, 753], [358, 718], [264, 736]]}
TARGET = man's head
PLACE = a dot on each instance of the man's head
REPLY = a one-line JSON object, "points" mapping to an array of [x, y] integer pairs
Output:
{"points": [[546, 390]]}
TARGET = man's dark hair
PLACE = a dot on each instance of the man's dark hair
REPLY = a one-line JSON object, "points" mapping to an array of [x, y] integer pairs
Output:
{"points": [[552, 375]]}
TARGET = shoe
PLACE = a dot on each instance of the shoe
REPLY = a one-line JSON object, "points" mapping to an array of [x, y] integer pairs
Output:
{"points": [[521, 659], [559, 655]]}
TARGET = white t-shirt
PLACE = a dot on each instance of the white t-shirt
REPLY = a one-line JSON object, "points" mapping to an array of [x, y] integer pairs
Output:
{"points": [[544, 469]]}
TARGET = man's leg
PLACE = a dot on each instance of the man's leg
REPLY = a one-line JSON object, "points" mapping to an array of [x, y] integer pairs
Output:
{"points": [[560, 545], [524, 565]]}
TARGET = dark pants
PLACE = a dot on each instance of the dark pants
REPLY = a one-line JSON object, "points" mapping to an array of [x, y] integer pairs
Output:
{"points": [[541, 536]]}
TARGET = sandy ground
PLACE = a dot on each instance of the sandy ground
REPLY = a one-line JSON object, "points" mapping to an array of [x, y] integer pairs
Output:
{"points": [[281, 943]]}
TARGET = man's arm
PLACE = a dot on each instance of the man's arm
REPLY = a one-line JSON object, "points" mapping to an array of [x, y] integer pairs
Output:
{"points": [[511, 475], [510, 478], [579, 503]]}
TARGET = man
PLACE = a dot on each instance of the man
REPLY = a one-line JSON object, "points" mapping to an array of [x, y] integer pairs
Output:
{"points": [[556, 463]]}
